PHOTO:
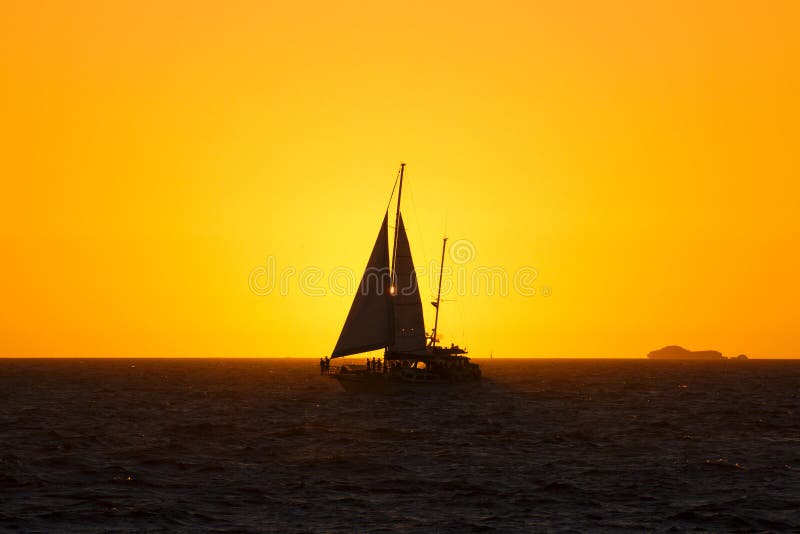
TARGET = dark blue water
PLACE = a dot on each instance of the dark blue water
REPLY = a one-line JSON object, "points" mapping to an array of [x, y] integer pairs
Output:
{"points": [[269, 445]]}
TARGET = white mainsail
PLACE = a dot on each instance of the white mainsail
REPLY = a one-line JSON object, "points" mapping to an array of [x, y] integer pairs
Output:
{"points": [[409, 325], [369, 322]]}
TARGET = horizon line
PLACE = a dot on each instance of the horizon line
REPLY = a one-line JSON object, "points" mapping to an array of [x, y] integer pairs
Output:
{"points": [[217, 357]]}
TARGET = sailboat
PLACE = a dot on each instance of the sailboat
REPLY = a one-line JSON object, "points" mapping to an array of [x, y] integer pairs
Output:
{"points": [[386, 313]]}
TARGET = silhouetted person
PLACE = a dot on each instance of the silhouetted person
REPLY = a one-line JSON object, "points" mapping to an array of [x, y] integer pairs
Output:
{"points": [[321, 366]]}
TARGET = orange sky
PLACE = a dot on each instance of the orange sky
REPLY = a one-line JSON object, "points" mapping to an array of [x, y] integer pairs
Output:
{"points": [[641, 156]]}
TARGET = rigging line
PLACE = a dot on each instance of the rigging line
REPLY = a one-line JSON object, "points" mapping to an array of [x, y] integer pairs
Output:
{"points": [[461, 320], [393, 266], [418, 237], [394, 188]]}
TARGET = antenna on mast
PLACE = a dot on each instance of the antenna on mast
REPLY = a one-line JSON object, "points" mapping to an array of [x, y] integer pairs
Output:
{"points": [[438, 296]]}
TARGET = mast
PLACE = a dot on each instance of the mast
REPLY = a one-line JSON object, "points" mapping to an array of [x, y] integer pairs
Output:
{"points": [[393, 274], [438, 295]]}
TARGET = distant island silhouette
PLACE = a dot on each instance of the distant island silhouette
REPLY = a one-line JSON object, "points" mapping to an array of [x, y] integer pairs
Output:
{"points": [[674, 352]]}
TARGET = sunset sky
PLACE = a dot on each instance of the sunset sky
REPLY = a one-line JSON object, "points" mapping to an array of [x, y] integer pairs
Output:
{"points": [[640, 157]]}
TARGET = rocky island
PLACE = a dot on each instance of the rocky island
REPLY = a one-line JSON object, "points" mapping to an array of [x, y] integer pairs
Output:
{"points": [[674, 352]]}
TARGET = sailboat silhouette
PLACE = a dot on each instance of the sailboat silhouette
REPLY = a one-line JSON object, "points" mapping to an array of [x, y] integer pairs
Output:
{"points": [[387, 313]]}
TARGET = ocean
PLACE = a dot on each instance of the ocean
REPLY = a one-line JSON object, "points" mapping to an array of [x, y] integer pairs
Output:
{"points": [[237, 445]]}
